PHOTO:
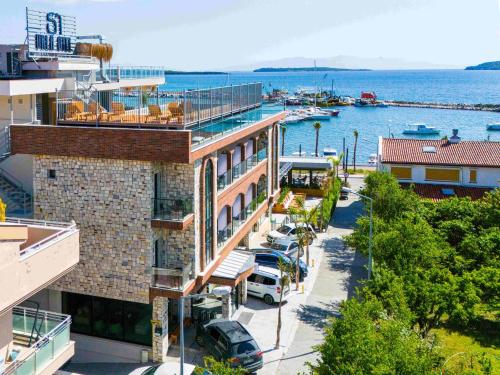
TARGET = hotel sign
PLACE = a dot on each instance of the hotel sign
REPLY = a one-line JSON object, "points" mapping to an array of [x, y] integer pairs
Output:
{"points": [[50, 33]]}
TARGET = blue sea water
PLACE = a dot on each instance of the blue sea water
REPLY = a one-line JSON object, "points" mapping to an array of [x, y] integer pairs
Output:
{"points": [[444, 86]]}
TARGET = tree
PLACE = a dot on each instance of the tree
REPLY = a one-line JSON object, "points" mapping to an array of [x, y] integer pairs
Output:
{"points": [[306, 218], [285, 270], [283, 131], [218, 368], [317, 126], [356, 134], [367, 339]]}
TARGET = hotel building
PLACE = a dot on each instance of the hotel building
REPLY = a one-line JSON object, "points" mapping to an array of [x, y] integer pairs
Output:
{"points": [[162, 185], [439, 169], [34, 254]]}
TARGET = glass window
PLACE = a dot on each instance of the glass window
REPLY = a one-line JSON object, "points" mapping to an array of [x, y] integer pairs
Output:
{"points": [[137, 323], [213, 333], [244, 347], [283, 230], [293, 231], [223, 342], [259, 279], [473, 176], [251, 278], [79, 307], [269, 281]]}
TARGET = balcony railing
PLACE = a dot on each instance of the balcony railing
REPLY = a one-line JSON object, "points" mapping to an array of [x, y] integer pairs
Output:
{"points": [[225, 234], [238, 170], [153, 108], [53, 340], [118, 72], [171, 278], [171, 209]]}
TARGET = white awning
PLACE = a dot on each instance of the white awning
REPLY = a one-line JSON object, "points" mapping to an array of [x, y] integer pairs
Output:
{"points": [[235, 264]]}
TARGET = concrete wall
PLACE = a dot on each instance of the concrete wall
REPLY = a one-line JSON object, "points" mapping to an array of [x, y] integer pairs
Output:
{"points": [[21, 166], [22, 276], [486, 177], [23, 107], [5, 334], [110, 200]]}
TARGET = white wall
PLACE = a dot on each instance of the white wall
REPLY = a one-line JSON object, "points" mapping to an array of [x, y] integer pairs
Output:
{"points": [[21, 166], [237, 206], [248, 195], [21, 105], [486, 177], [222, 219]]}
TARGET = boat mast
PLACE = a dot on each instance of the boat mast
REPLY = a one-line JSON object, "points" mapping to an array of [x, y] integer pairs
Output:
{"points": [[315, 83]]}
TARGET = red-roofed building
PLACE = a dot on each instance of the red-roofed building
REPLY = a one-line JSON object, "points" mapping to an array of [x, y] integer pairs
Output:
{"points": [[442, 168]]}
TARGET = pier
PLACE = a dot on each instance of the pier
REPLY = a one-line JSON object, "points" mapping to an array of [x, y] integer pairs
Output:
{"points": [[457, 106]]}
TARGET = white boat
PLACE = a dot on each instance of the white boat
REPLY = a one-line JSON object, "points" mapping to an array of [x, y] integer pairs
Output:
{"points": [[301, 154], [372, 160], [330, 152], [314, 113], [292, 119], [421, 129], [493, 126]]}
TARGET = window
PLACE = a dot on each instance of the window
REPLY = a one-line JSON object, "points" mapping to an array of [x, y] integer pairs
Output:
{"points": [[259, 279], [269, 281], [251, 278], [209, 253], [214, 333], [51, 173], [109, 318], [473, 176], [442, 174], [223, 342], [294, 245], [402, 173]]}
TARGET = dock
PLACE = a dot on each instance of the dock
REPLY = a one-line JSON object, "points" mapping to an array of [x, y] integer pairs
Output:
{"points": [[456, 106]]}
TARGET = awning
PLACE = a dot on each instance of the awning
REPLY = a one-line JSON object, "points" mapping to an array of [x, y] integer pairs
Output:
{"points": [[312, 163], [237, 266]]}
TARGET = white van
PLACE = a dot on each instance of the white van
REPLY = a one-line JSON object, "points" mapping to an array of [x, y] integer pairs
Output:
{"points": [[287, 230], [264, 283]]}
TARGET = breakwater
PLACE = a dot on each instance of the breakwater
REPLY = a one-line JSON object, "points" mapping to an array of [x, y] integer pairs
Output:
{"points": [[458, 106]]}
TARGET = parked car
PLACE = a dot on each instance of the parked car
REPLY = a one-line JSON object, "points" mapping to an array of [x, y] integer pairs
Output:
{"points": [[228, 340], [265, 283], [344, 195], [169, 368], [287, 246], [271, 259], [287, 230]]}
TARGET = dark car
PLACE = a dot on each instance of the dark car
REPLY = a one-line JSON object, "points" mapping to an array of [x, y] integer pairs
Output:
{"points": [[271, 258], [228, 340], [344, 195]]}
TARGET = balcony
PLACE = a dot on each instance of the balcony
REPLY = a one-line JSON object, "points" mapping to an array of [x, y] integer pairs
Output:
{"points": [[172, 213], [225, 234], [41, 342], [238, 170], [172, 278], [123, 72], [41, 252]]}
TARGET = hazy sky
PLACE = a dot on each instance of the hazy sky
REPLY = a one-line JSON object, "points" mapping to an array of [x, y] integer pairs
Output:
{"points": [[216, 34]]}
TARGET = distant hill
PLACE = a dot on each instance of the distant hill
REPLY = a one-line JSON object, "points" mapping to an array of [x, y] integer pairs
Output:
{"points": [[491, 65], [306, 69], [178, 72]]}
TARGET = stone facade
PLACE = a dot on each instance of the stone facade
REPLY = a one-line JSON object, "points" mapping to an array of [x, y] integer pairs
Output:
{"points": [[176, 180], [160, 323], [179, 246], [110, 200]]}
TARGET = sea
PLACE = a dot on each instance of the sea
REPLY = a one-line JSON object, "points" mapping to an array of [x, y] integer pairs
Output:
{"points": [[442, 86]]}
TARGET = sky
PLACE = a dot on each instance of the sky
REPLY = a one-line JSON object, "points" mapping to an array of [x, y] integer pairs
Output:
{"points": [[220, 34]]}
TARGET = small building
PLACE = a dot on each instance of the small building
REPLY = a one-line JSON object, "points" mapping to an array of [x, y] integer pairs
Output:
{"points": [[441, 168]]}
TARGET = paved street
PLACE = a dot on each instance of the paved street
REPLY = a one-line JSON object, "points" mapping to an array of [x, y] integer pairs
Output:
{"points": [[339, 270]]}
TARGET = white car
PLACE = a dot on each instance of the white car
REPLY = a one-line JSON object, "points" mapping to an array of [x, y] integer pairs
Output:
{"points": [[264, 283], [287, 230], [287, 246], [168, 368]]}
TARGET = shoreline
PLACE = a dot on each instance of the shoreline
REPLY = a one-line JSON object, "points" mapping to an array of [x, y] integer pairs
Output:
{"points": [[455, 106]]}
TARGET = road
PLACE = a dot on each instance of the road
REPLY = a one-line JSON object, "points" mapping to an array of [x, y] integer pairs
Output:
{"points": [[339, 272]]}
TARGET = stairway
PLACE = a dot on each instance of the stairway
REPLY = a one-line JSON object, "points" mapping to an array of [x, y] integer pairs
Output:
{"points": [[19, 203]]}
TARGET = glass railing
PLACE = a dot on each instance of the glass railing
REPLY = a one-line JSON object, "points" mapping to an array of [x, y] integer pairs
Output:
{"points": [[238, 170], [52, 339], [225, 234], [171, 278], [115, 73], [171, 209]]}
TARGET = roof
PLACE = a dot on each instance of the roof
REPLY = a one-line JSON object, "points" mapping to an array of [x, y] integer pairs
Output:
{"points": [[435, 192], [312, 162], [464, 153], [235, 264], [232, 329]]}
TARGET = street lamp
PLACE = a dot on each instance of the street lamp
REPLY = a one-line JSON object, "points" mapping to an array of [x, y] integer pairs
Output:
{"points": [[347, 190], [217, 292]]}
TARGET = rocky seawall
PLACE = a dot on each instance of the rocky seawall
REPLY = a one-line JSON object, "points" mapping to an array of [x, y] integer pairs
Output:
{"points": [[458, 106]]}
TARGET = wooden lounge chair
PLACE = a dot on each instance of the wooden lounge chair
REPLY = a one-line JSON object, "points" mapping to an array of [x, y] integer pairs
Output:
{"points": [[156, 115], [75, 111], [95, 110], [117, 112], [176, 110]]}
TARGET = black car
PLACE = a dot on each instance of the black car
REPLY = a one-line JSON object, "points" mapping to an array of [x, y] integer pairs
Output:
{"points": [[228, 340], [271, 259], [344, 195]]}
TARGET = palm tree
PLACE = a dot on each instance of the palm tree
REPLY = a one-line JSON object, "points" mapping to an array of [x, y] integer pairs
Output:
{"points": [[305, 219], [317, 126], [285, 270], [283, 131], [356, 134]]}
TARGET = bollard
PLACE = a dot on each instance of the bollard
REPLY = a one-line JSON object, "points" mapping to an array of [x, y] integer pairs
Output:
{"points": [[302, 289], [313, 263]]}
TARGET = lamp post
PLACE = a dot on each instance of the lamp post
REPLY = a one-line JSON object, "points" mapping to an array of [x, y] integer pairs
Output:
{"points": [[217, 292], [347, 190]]}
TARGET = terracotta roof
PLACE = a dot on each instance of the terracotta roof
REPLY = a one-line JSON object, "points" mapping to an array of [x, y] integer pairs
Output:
{"points": [[465, 153], [435, 192]]}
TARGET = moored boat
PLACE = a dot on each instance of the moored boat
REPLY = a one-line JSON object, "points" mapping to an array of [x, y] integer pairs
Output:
{"points": [[330, 152], [420, 129], [493, 126]]}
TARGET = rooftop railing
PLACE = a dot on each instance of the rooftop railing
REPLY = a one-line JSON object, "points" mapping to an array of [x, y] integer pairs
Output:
{"points": [[156, 109], [53, 340], [119, 72], [238, 170]]}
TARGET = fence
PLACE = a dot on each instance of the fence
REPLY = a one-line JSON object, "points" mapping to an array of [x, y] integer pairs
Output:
{"points": [[155, 108]]}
